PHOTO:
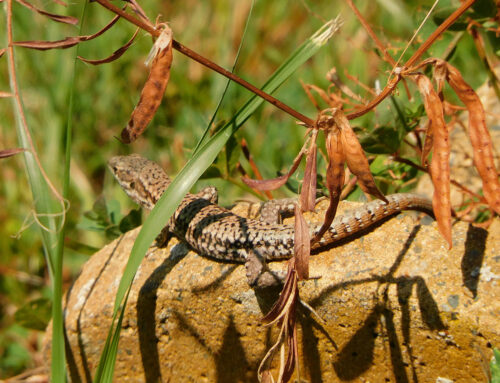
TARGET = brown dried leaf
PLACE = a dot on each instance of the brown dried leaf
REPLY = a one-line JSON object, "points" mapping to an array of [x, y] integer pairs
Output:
{"points": [[115, 55], [68, 42], [153, 90], [274, 183], [59, 18], [265, 185], [104, 29], [263, 370], [479, 136], [287, 296], [335, 176], [302, 245], [309, 95], [308, 192], [266, 377], [355, 156], [284, 310], [440, 167], [293, 353], [11, 152]]}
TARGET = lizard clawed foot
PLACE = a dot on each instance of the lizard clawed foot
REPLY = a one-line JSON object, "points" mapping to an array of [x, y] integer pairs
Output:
{"points": [[258, 274], [163, 238]]}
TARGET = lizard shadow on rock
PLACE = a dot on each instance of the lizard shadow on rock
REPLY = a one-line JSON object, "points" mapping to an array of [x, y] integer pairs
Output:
{"points": [[146, 313], [472, 260], [71, 362], [230, 361], [356, 356], [217, 282]]}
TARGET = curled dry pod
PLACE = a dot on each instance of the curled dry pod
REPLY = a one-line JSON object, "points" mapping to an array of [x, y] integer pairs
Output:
{"points": [[335, 175], [154, 88], [355, 156], [440, 168], [479, 136]]}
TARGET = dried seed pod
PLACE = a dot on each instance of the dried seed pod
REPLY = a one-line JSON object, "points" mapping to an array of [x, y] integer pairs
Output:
{"points": [[154, 88], [355, 156], [308, 192], [440, 167], [479, 136], [335, 174]]}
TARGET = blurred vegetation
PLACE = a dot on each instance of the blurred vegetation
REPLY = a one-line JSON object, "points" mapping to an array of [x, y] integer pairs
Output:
{"points": [[105, 95]]}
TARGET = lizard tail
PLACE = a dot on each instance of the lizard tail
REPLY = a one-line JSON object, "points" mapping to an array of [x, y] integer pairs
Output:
{"points": [[366, 216]]}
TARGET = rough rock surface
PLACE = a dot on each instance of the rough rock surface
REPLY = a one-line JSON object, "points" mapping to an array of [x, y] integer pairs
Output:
{"points": [[397, 305]]}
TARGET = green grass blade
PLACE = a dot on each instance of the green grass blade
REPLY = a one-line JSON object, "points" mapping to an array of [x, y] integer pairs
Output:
{"points": [[204, 136], [107, 361], [195, 167], [48, 212], [58, 357]]}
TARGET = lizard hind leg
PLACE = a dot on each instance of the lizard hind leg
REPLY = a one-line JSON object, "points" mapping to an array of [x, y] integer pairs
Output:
{"points": [[272, 210], [258, 274]]}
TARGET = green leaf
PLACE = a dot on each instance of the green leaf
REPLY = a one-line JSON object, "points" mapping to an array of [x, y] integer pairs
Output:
{"points": [[100, 210], [484, 9], [114, 213], [212, 172], [35, 314], [495, 366], [384, 139], [441, 15], [130, 221]]}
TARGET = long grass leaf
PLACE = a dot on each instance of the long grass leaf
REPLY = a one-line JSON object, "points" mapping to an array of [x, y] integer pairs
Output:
{"points": [[48, 212], [207, 129], [58, 357]]}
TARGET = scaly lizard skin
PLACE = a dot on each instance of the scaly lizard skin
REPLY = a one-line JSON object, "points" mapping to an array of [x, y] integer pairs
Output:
{"points": [[216, 232]]}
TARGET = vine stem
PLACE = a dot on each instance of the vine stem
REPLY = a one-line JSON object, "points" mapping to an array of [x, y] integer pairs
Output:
{"points": [[393, 81], [148, 27]]}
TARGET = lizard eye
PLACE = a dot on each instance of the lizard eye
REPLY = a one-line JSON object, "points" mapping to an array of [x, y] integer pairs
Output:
{"points": [[132, 185]]}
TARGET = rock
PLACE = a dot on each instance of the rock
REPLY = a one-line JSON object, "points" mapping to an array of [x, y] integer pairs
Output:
{"points": [[397, 306]]}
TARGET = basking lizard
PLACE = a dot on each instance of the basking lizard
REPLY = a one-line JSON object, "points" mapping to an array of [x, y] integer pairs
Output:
{"points": [[217, 233]]}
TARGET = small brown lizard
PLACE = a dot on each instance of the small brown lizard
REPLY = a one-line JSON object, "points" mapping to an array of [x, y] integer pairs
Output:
{"points": [[217, 233]]}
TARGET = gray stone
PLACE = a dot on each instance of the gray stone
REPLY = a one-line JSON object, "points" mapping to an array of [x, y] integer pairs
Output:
{"points": [[192, 319]]}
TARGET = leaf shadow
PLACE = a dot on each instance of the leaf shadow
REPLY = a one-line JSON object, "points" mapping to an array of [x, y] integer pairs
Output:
{"points": [[472, 260], [357, 355]]}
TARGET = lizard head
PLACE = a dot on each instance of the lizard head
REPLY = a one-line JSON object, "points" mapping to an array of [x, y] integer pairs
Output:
{"points": [[143, 180]]}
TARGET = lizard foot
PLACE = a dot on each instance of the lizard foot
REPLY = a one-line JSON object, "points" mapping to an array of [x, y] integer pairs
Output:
{"points": [[258, 274]]}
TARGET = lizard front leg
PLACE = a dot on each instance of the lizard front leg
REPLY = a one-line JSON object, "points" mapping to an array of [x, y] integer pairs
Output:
{"points": [[209, 193]]}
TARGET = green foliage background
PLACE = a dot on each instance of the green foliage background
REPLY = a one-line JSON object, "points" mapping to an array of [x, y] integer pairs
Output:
{"points": [[104, 97]]}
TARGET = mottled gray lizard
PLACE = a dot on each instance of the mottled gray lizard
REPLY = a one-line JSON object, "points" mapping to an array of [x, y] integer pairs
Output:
{"points": [[217, 233]]}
